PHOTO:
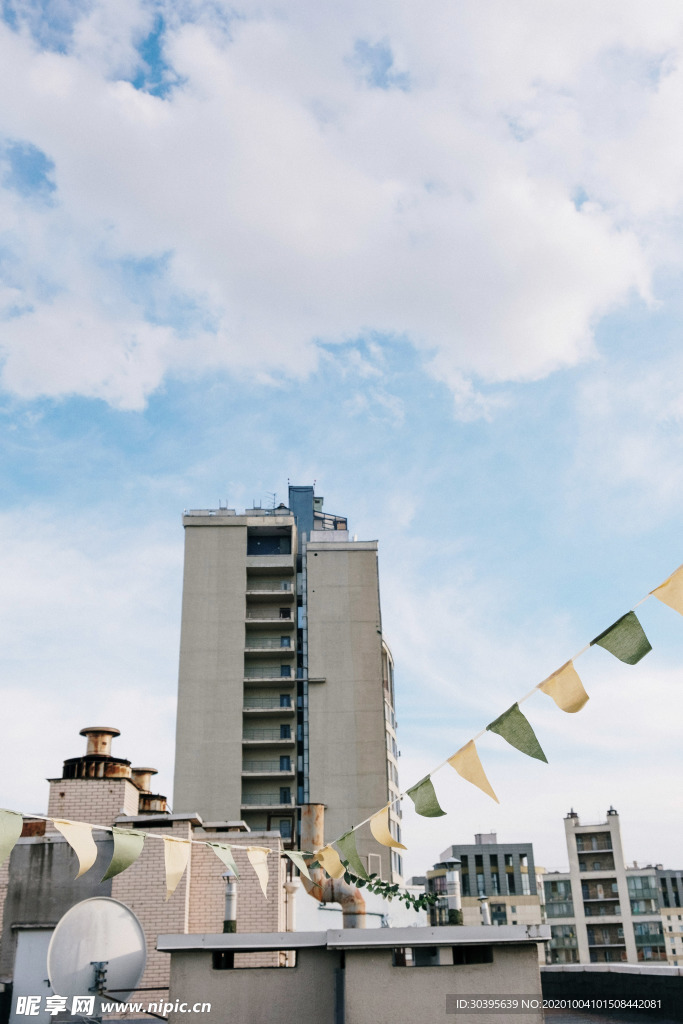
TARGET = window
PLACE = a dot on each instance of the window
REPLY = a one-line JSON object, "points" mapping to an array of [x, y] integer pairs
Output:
{"points": [[285, 613], [285, 763], [284, 641], [285, 671], [285, 700], [286, 828], [285, 732], [285, 795]]}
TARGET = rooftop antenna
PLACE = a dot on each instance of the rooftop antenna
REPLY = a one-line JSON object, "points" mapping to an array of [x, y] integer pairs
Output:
{"points": [[273, 498]]}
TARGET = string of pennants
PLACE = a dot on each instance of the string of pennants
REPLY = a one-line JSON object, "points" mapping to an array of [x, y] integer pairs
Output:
{"points": [[625, 639]]}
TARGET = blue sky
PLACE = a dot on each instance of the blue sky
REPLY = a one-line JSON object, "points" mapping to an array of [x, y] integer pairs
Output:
{"points": [[431, 263]]}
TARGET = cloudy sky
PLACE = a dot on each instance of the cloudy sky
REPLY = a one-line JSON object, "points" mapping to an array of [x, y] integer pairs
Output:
{"points": [[430, 258]]}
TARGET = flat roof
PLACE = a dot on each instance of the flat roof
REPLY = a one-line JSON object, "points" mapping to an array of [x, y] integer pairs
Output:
{"points": [[357, 938]]}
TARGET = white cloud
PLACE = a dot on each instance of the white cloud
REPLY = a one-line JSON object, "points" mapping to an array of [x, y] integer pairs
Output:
{"points": [[295, 203]]}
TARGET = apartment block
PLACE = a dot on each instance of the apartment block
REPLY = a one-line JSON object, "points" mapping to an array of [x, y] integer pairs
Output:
{"points": [[601, 911], [285, 692], [502, 874]]}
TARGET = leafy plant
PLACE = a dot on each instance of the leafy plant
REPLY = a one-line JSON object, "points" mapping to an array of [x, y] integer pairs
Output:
{"points": [[388, 892]]}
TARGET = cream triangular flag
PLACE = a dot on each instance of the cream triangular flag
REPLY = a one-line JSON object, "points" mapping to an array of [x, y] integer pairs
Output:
{"points": [[566, 689], [11, 825], [176, 856], [258, 858], [671, 591], [224, 853], [329, 860], [78, 835], [467, 764], [379, 826]]}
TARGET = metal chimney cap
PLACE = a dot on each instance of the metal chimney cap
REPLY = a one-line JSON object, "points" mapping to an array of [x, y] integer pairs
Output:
{"points": [[147, 771], [100, 728]]}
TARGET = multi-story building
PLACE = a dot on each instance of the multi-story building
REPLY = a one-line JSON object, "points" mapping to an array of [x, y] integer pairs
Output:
{"points": [[286, 684], [670, 899], [600, 911], [503, 873]]}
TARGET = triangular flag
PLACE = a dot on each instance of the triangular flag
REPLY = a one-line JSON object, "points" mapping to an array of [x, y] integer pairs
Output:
{"points": [[298, 858], [176, 856], [566, 689], [467, 764], [424, 798], [328, 858], [128, 845], [347, 845], [379, 826], [625, 639], [78, 835], [671, 591], [11, 825], [224, 853], [258, 858], [514, 727]]}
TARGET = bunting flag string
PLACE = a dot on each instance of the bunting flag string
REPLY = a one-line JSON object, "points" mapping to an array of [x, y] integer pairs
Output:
{"points": [[515, 728], [565, 688], [78, 835], [258, 858], [224, 853], [128, 844], [467, 764], [625, 639], [11, 825], [176, 856]]}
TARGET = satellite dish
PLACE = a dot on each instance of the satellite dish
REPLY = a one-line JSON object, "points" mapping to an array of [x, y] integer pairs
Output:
{"points": [[98, 947]]}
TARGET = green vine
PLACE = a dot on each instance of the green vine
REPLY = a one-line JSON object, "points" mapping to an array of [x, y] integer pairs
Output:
{"points": [[373, 883]]}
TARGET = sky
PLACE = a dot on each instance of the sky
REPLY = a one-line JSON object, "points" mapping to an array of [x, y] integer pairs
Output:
{"points": [[427, 257]]}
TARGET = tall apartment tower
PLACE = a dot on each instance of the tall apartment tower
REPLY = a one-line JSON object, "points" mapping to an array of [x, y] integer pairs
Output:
{"points": [[285, 690]]}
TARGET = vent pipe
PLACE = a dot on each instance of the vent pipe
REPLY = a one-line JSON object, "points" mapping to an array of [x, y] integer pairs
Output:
{"points": [[322, 888]]}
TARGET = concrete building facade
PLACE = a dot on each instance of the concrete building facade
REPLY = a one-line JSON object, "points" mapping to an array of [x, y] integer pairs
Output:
{"points": [[503, 873], [602, 911], [285, 692]]}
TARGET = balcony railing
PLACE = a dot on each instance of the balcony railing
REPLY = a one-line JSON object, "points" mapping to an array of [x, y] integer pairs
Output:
{"points": [[265, 734], [265, 800], [267, 702], [261, 616], [265, 766], [269, 588], [257, 643], [268, 672]]}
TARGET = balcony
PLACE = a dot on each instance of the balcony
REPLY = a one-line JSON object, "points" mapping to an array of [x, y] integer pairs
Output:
{"points": [[266, 645], [262, 800], [267, 737], [260, 618], [267, 767], [264, 564], [264, 706]]}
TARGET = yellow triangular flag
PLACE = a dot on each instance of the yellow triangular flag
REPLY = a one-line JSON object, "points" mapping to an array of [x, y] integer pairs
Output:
{"points": [[566, 689], [671, 591], [329, 860], [176, 856], [379, 826], [78, 835], [258, 858], [467, 764]]}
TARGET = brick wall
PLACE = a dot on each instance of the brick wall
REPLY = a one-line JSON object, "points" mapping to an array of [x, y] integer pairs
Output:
{"points": [[98, 801]]}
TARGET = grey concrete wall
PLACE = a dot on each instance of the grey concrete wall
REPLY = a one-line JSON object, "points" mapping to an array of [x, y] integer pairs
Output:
{"points": [[377, 992], [208, 761], [347, 733], [277, 995], [44, 886]]}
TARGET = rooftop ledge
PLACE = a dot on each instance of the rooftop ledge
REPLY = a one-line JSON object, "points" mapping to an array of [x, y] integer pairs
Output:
{"points": [[357, 938]]}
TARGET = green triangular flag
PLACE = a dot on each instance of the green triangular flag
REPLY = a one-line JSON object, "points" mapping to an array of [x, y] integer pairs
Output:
{"points": [[128, 845], [424, 798], [347, 846], [224, 853], [625, 639], [298, 858], [11, 825], [514, 727]]}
